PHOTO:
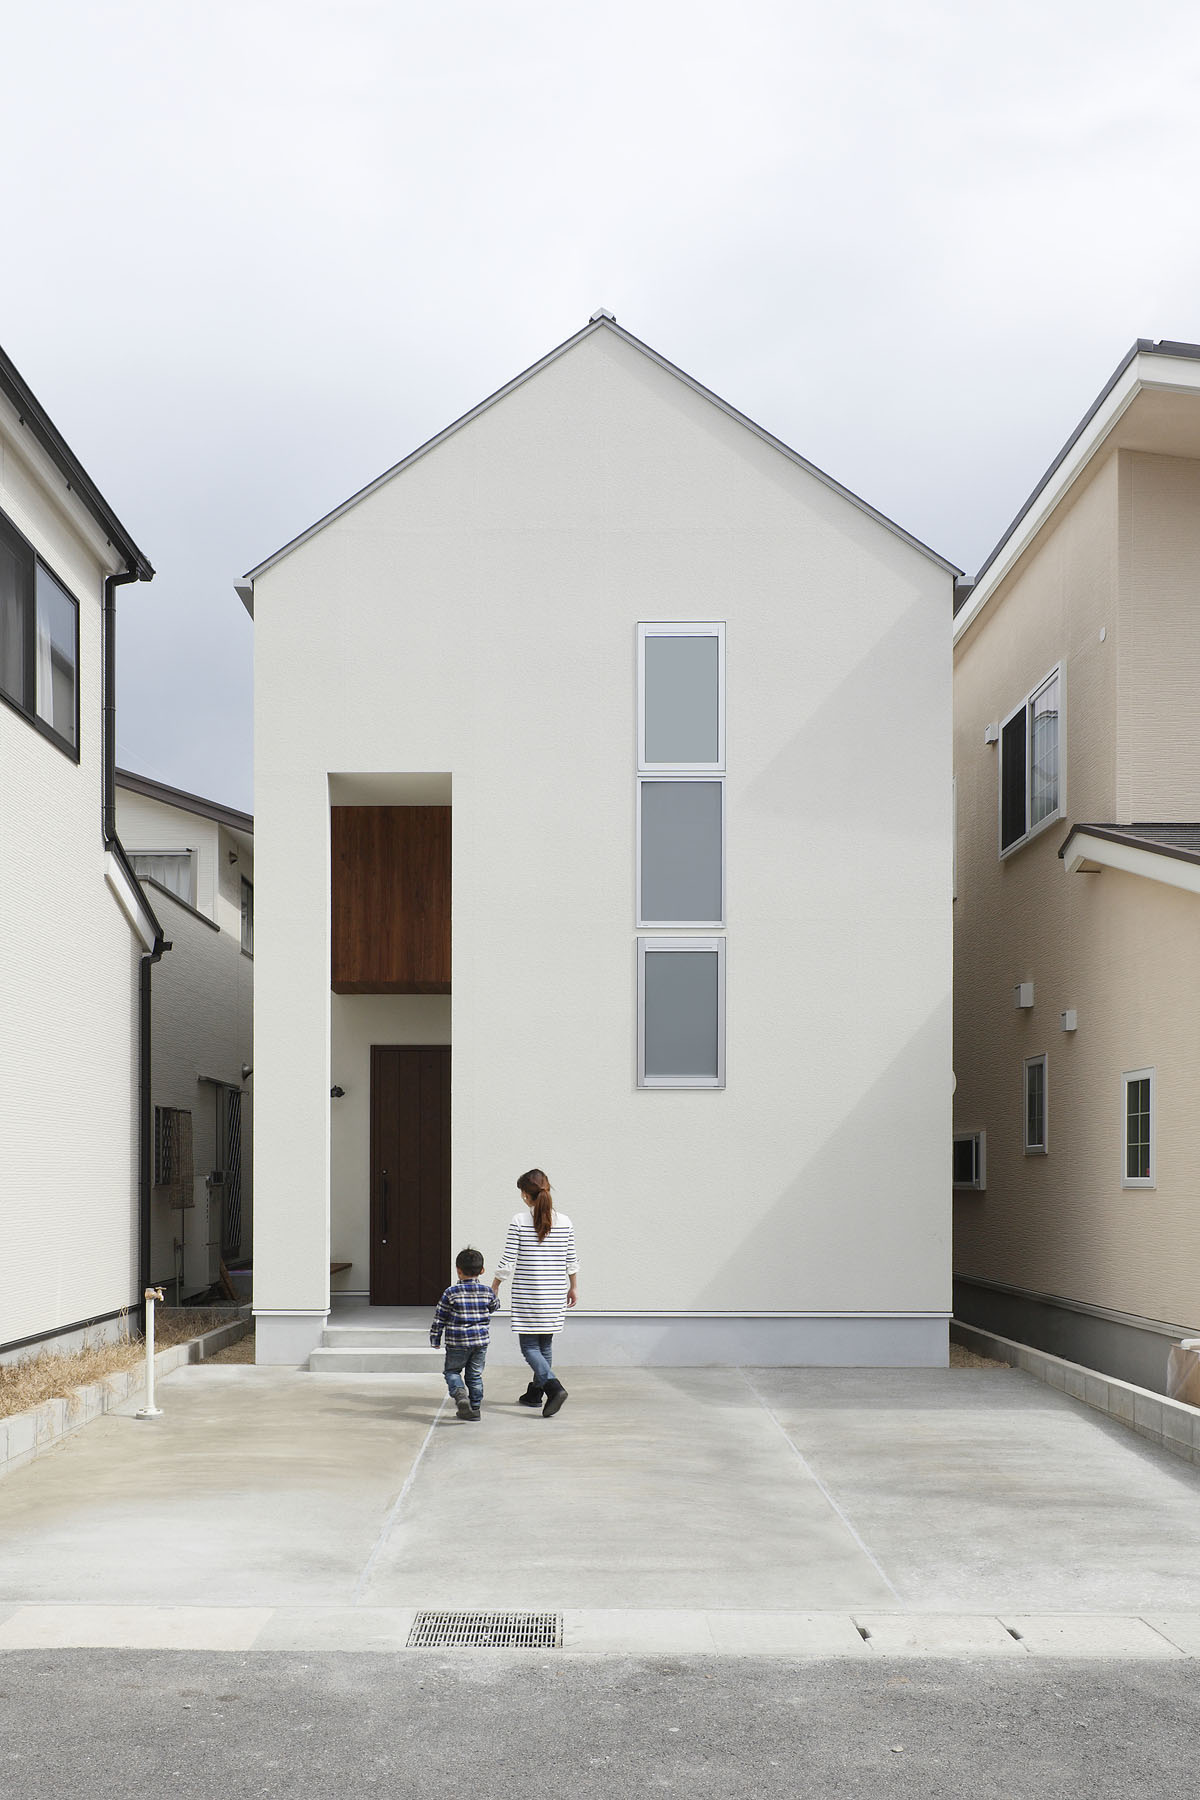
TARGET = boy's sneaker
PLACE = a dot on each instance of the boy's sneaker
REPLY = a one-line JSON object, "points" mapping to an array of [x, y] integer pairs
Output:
{"points": [[463, 1403], [471, 1413]]}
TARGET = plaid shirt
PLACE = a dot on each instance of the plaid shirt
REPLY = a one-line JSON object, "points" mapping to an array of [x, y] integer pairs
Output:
{"points": [[464, 1314]]}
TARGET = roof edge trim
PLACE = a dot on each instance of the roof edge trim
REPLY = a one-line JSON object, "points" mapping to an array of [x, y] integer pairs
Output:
{"points": [[185, 802], [245, 588]]}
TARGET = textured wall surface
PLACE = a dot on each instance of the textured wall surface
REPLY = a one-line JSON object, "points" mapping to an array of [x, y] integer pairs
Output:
{"points": [[68, 1018], [202, 1019], [1123, 951], [477, 614]]}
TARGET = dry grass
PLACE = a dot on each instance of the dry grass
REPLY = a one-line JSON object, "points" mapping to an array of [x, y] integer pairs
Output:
{"points": [[51, 1374], [962, 1358]]}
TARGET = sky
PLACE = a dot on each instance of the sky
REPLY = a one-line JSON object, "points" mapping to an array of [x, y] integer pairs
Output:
{"points": [[256, 252]]}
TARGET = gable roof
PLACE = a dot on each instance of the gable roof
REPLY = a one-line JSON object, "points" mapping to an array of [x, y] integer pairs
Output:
{"points": [[193, 803], [600, 321], [34, 416], [1146, 365]]}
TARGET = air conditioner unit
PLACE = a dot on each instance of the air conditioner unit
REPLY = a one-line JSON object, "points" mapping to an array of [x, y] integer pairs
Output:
{"points": [[202, 1239]]}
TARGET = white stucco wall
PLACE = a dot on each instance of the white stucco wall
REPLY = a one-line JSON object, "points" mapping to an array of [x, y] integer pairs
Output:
{"points": [[69, 959], [202, 1002], [477, 614]]}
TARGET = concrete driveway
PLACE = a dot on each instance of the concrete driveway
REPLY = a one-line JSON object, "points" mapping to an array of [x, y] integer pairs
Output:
{"points": [[845, 1512]]}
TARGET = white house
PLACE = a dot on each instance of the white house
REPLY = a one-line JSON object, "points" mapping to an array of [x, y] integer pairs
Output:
{"points": [[77, 934], [682, 705], [196, 859]]}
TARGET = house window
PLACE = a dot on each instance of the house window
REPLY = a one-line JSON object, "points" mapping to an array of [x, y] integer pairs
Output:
{"points": [[174, 870], [681, 1012], [681, 859], [173, 1178], [681, 697], [1031, 764], [1139, 1128], [970, 1159], [1035, 1105], [247, 917], [39, 641]]}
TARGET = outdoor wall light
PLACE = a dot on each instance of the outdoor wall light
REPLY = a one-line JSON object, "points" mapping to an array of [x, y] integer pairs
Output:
{"points": [[336, 1093], [232, 856], [247, 1071]]}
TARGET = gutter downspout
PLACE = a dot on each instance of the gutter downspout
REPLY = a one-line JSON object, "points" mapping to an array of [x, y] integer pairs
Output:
{"points": [[108, 827]]}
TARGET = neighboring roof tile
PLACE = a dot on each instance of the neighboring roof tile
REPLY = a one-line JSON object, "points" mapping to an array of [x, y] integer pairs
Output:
{"points": [[1181, 841]]}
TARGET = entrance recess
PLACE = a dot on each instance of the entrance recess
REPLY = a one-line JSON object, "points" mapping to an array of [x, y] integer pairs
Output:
{"points": [[410, 1173]]}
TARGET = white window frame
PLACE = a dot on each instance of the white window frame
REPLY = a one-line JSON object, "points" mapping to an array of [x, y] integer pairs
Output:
{"points": [[676, 924], [1139, 1181], [979, 1139], [657, 946], [171, 850], [709, 629], [1057, 672], [1042, 1148]]}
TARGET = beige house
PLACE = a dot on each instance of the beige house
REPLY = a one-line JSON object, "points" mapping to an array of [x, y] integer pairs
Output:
{"points": [[195, 858], [1077, 892]]}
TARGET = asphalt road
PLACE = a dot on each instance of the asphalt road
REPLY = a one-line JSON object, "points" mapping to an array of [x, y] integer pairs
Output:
{"points": [[90, 1725]]}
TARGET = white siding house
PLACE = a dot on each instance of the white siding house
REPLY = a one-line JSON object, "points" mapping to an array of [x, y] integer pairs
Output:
{"points": [[682, 703], [196, 859], [76, 931]]}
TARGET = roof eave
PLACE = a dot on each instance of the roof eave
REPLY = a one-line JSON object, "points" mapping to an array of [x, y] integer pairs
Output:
{"points": [[38, 421], [602, 322]]}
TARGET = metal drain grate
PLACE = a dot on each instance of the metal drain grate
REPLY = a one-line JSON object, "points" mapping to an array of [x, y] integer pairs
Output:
{"points": [[486, 1631]]}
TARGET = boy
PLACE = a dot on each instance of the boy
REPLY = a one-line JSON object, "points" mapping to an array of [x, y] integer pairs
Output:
{"points": [[464, 1314]]}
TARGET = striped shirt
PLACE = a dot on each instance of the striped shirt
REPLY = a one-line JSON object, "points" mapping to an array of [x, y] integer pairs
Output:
{"points": [[464, 1314], [539, 1272]]}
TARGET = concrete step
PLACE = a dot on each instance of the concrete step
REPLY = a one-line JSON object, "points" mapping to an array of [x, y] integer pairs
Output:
{"points": [[376, 1337], [362, 1360]]}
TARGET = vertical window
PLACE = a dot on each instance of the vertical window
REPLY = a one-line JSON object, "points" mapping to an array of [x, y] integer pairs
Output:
{"points": [[39, 641], [247, 917], [1035, 1105], [681, 697], [1031, 763], [970, 1160], [681, 1012], [681, 874], [1139, 1128]]}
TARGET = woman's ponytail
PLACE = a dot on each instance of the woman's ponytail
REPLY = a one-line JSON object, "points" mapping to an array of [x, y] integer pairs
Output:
{"points": [[534, 1185]]}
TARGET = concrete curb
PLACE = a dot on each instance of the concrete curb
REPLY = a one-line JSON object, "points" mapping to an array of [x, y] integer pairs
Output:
{"points": [[1171, 1424], [24, 1436]]}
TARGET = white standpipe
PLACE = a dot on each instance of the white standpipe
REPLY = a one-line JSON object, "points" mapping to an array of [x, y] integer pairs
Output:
{"points": [[150, 1411]]}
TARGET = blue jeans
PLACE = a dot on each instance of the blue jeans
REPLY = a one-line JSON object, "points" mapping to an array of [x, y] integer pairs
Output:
{"points": [[468, 1360], [537, 1351]]}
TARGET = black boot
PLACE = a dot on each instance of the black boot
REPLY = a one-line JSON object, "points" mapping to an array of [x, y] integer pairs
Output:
{"points": [[532, 1395], [556, 1394]]}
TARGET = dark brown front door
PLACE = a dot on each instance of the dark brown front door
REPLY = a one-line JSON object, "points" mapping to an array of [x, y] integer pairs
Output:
{"points": [[410, 1174]]}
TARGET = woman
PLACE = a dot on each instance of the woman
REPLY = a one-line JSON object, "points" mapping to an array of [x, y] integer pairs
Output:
{"points": [[539, 1254]]}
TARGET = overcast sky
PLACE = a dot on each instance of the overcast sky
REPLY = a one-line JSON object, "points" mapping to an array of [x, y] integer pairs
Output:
{"points": [[254, 253]]}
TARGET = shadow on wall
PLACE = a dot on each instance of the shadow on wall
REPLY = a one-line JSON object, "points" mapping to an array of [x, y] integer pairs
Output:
{"points": [[837, 1206], [829, 774]]}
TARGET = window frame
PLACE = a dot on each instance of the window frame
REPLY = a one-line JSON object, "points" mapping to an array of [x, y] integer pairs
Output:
{"points": [[644, 924], [247, 888], [26, 706], [979, 1185], [663, 946], [648, 629], [180, 850], [1031, 1062], [1149, 1074], [1057, 673]]}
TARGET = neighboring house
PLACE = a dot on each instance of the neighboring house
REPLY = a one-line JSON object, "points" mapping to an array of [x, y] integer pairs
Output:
{"points": [[196, 859], [77, 934], [683, 704], [1077, 917]]}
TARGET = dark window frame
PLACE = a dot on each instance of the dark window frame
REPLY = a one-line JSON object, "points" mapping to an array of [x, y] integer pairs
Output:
{"points": [[247, 894], [26, 706], [1016, 748], [1035, 1093], [976, 1183]]}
